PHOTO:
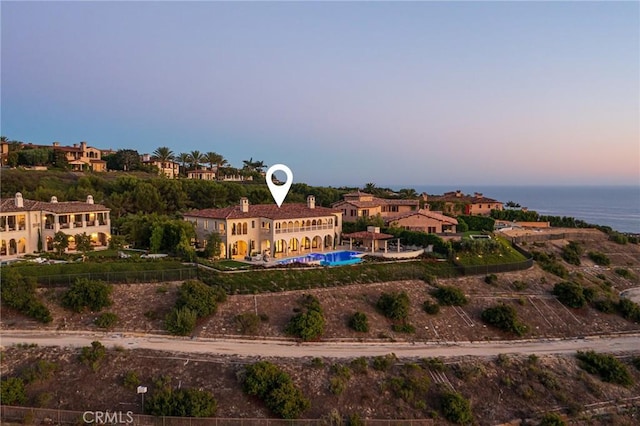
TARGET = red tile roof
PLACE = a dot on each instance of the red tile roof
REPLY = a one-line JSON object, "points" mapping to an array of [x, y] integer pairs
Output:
{"points": [[432, 215], [268, 211], [8, 205], [366, 235]]}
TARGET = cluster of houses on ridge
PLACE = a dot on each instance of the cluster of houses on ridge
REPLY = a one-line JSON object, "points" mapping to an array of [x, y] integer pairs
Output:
{"points": [[245, 229], [82, 157]]}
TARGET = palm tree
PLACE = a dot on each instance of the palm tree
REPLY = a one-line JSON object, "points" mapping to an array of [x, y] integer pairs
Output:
{"points": [[253, 166], [408, 193], [183, 158], [370, 187], [164, 155], [213, 158], [196, 157]]}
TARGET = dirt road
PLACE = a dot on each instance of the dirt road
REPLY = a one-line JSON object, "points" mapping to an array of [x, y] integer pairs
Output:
{"points": [[288, 349]]}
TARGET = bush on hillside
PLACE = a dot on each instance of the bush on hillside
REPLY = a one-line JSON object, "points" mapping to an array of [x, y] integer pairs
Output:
{"points": [[450, 296], [308, 324], [599, 258], [456, 408], [85, 293], [359, 322], [394, 306], [571, 253], [19, 293], [505, 318], [181, 322], [609, 368], [275, 388], [570, 294]]}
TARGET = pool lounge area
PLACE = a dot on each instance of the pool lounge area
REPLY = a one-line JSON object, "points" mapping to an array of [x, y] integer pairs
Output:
{"points": [[333, 258]]}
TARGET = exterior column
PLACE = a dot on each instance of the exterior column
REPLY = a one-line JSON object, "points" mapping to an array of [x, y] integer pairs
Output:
{"points": [[385, 245], [70, 219], [398, 245], [56, 223]]}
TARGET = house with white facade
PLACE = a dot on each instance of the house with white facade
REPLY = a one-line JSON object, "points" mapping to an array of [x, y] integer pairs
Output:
{"points": [[24, 223], [269, 230]]}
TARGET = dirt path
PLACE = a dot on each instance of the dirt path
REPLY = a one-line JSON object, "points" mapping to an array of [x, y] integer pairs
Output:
{"points": [[288, 349]]}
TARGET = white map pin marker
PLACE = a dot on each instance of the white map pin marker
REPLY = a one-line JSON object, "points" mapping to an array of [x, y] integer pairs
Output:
{"points": [[279, 192]]}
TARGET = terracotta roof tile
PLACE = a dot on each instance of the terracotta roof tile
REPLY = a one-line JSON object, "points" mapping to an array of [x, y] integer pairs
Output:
{"points": [[268, 211], [8, 205], [432, 215]]}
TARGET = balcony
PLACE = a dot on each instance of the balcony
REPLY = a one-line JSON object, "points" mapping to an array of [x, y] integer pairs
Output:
{"points": [[303, 229]]}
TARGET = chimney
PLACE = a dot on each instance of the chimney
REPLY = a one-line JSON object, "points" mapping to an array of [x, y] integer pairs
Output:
{"points": [[244, 205], [19, 200], [75, 145], [83, 145], [89, 199], [311, 202], [458, 193], [478, 194], [54, 199], [56, 144]]}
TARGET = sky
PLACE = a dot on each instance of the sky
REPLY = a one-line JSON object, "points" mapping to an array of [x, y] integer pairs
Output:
{"points": [[344, 93]]}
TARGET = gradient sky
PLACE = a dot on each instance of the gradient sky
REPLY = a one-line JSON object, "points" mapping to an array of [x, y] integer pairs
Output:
{"points": [[398, 94]]}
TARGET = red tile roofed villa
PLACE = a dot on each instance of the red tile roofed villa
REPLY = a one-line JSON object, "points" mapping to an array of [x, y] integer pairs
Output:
{"points": [[360, 204], [23, 222], [424, 221], [266, 230], [459, 203]]}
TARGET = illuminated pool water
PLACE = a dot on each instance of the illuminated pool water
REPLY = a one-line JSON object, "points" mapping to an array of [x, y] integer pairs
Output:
{"points": [[334, 258]]}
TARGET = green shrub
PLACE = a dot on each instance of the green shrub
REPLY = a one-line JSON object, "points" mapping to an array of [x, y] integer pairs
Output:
{"points": [[435, 364], [520, 285], [248, 323], [599, 258], [181, 322], [93, 355], [430, 307], [183, 402], [19, 293], [199, 297], [12, 391], [609, 368], [450, 296], [571, 253], [106, 320], [629, 309], [394, 306], [552, 419], [359, 322], [39, 372], [403, 327], [309, 323], [131, 380], [456, 408], [618, 238], [505, 318], [85, 293], [383, 363], [491, 279], [275, 388], [625, 273], [359, 365], [570, 294], [605, 305]]}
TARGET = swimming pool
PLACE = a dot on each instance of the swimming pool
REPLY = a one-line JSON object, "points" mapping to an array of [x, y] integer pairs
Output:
{"points": [[334, 258]]}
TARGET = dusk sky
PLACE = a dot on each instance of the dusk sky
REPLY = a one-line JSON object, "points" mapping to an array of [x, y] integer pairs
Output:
{"points": [[399, 94]]}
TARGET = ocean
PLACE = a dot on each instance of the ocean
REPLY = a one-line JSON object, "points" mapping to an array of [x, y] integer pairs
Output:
{"points": [[614, 206]]}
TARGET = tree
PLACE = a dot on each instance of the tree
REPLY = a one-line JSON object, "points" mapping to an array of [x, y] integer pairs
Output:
{"points": [[456, 408], [83, 243], [213, 248], [124, 159], [147, 198], [370, 187], [183, 158], [214, 159], [505, 318], [163, 154], [359, 322], [408, 193], [12, 391], [570, 294], [60, 242], [19, 293], [196, 158], [394, 305], [309, 323]]}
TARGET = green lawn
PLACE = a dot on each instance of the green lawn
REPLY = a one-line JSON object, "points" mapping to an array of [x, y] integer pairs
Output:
{"points": [[507, 255]]}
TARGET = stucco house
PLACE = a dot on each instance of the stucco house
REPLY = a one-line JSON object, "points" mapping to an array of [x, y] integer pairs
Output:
{"points": [[82, 157], [202, 174], [361, 204], [23, 222], [170, 169], [424, 221], [455, 202], [266, 229]]}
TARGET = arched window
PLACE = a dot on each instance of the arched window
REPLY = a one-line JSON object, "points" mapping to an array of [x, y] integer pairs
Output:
{"points": [[233, 229], [244, 228]]}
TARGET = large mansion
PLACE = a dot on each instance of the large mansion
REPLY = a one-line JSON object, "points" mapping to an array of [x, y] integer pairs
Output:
{"points": [[23, 223], [360, 204], [266, 229]]}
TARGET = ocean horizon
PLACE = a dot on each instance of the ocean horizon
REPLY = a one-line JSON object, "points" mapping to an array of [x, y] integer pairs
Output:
{"points": [[615, 206]]}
